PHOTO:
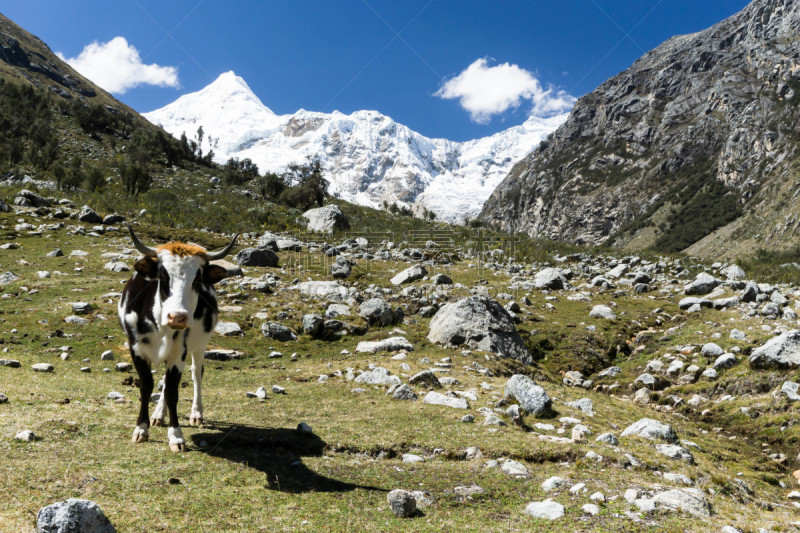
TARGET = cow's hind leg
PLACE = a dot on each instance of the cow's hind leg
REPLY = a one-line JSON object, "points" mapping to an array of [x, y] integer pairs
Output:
{"points": [[196, 418], [171, 384], [158, 415], [141, 432]]}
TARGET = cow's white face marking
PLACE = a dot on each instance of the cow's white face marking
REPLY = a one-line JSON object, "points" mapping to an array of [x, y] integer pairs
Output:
{"points": [[182, 299]]}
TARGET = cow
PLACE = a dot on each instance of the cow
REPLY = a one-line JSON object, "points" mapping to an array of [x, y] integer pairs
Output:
{"points": [[168, 310]]}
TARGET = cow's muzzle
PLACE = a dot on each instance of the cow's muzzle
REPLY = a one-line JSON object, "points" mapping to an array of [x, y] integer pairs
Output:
{"points": [[178, 320]]}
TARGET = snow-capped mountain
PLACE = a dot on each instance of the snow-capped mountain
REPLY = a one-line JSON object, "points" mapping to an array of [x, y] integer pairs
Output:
{"points": [[367, 157]]}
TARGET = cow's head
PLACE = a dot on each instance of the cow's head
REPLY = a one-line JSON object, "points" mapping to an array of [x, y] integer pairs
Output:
{"points": [[184, 272]]}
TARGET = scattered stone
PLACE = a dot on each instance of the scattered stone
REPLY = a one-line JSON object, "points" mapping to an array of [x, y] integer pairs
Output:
{"points": [[602, 311], [547, 509], [532, 398], [514, 468], [549, 278], [609, 372], [229, 329], [392, 344], [435, 398], [673, 451], [702, 284], [257, 257], [688, 500], [377, 376], [607, 438], [402, 503], [404, 392], [552, 483], [276, 331], [426, 377], [590, 509], [651, 429], [377, 312], [123, 367], [11, 363], [76, 320], [790, 390], [73, 516], [25, 436], [42, 367], [88, 215], [480, 323], [782, 351], [326, 219], [409, 275], [8, 277], [678, 478], [711, 350], [584, 405]]}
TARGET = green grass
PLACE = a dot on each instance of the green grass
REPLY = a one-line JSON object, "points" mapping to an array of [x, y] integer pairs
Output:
{"points": [[248, 469]]}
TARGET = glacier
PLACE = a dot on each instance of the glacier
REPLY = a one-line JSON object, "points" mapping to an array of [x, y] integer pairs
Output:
{"points": [[368, 158]]}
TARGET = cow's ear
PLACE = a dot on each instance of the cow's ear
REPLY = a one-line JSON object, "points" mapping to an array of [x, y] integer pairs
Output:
{"points": [[214, 273], [147, 267]]}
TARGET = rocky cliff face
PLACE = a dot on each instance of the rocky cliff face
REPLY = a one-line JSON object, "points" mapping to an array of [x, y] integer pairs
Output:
{"points": [[694, 147]]}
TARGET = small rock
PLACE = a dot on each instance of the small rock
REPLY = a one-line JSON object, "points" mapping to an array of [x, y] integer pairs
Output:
{"points": [[552, 483], [402, 503], [42, 367], [547, 509], [25, 436], [73, 515]]}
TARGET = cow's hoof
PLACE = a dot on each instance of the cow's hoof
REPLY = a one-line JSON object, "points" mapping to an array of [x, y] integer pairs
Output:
{"points": [[177, 448], [157, 422], [140, 434], [196, 421]]}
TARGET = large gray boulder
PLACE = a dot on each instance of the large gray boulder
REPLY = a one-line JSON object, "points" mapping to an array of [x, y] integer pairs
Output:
{"points": [[31, 199], [702, 284], [530, 396], [549, 278], [88, 215], [480, 323], [326, 219], [377, 312], [257, 257], [73, 516], [782, 351]]}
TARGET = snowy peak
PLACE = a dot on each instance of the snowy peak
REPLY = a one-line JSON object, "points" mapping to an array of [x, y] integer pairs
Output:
{"points": [[368, 158]]}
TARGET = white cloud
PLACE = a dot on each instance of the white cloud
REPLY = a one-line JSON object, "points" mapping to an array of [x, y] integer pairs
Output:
{"points": [[116, 66], [485, 90]]}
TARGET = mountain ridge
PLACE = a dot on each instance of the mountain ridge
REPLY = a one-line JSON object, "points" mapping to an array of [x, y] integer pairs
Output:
{"points": [[369, 158]]}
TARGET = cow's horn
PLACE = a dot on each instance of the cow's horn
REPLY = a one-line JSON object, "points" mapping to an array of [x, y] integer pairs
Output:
{"points": [[149, 252], [222, 253]]}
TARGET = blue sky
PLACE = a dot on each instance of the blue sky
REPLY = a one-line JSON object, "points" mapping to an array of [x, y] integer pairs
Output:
{"points": [[455, 69]]}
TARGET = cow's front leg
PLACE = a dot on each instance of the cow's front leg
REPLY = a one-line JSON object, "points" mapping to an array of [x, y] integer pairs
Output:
{"points": [[158, 415], [141, 431], [196, 418], [171, 384]]}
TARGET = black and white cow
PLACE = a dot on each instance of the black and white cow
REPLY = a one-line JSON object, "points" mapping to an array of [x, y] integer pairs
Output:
{"points": [[169, 310]]}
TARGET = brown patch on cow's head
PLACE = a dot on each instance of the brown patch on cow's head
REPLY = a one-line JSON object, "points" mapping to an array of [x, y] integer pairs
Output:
{"points": [[182, 249]]}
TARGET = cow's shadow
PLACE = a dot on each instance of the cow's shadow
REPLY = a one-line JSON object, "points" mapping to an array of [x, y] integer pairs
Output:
{"points": [[277, 452]]}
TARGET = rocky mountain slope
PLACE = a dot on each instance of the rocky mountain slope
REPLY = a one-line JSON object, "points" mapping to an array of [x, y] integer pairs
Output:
{"points": [[694, 147], [25, 58], [368, 157]]}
